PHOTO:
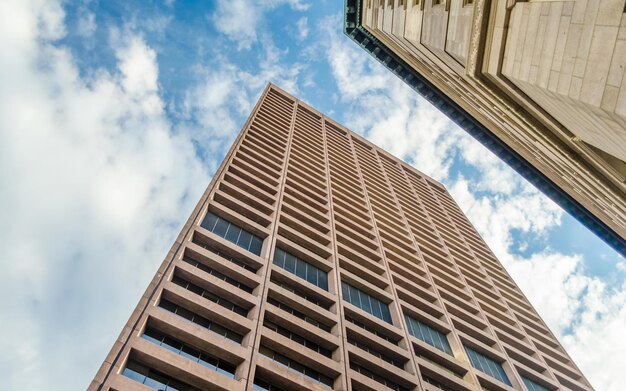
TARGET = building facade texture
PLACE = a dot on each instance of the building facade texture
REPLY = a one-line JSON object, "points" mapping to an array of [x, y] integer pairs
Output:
{"points": [[540, 82], [317, 261]]}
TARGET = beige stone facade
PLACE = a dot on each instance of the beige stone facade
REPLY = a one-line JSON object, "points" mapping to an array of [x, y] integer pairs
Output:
{"points": [[546, 77], [365, 275]]}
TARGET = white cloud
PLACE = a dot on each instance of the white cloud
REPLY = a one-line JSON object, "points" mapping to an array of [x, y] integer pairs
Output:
{"points": [[213, 110], [389, 113], [302, 28], [95, 186], [240, 20], [588, 316]]}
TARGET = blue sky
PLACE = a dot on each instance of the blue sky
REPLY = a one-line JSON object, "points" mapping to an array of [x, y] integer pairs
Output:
{"points": [[115, 114]]}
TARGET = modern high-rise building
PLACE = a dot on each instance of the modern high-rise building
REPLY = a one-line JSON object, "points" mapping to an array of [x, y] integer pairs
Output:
{"points": [[539, 82], [317, 261]]}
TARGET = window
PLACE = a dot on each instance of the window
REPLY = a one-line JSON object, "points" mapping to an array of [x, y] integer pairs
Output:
{"points": [[532, 386], [301, 268], [217, 274], [380, 379], [153, 378], [201, 321], [182, 349], [296, 366], [428, 334], [208, 295], [367, 303], [487, 365], [298, 314], [298, 292], [375, 353], [232, 233], [297, 338], [262, 385], [200, 242], [431, 381], [371, 330]]}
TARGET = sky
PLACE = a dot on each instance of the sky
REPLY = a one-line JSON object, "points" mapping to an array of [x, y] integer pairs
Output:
{"points": [[114, 116]]}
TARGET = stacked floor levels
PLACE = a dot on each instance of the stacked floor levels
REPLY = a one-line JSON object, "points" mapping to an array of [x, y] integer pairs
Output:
{"points": [[317, 261]]}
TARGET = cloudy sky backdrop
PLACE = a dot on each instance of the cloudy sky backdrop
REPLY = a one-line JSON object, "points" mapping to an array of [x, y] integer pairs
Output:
{"points": [[114, 116]]}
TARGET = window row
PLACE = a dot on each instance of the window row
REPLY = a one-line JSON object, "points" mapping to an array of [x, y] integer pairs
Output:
{"points": [[210, 296], [487, 366], [195, 355], [297, 338], [300, 268], [153, 378], [532, 386], [217, 274], [428, 334], [367, 303], [296, 366], [298, 314], [219, 253], [375, 353], [263, 385], [377, 378], [200, 320], [233, 233]]}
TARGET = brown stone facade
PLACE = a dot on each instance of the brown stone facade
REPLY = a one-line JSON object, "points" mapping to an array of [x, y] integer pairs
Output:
{"points": [[317, 261], [545, 77]]}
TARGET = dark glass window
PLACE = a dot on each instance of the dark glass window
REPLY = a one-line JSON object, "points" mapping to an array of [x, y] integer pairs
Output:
{"points": [[371, 330], [222, 254], [180, 348], [375, 352], [217, 274], [208, 295], [262, 385], [301, 268], [233, 233], [199, 320], [435, 383], [532, 386], [298, 291], [297, 338], [298, 314], [487, 365], [296, 366], [428, 334], [380, 379], [153, 378], [367, 303]]}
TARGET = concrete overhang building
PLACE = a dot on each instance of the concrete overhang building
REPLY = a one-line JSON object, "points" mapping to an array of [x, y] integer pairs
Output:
{"points": [[317, 261], [539, 82]]}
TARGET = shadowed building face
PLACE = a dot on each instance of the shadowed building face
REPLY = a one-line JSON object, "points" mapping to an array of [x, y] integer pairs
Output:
{"points": [[317, 261]]}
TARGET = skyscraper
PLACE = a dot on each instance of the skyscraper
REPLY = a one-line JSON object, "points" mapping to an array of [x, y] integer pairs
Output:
{"points": [[539, 82], [317, 261]]}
